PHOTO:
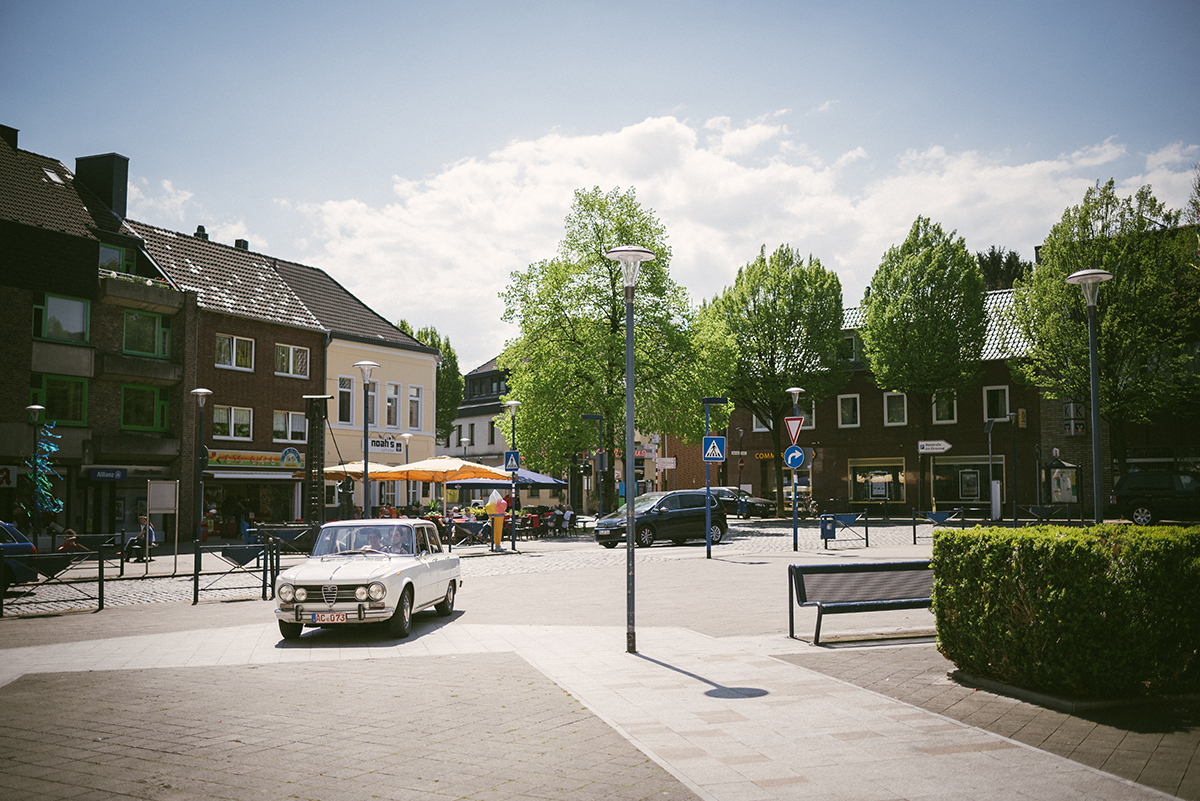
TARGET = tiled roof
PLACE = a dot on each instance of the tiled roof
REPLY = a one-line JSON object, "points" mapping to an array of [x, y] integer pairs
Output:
{"points": [[226, 279], [30, 195], [487, 367], [1002, 340], [341, 312]]}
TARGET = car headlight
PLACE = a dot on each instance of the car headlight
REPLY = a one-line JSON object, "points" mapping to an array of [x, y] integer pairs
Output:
{"points": [[301, 594], [286, 593], [360, 593], [377, 591]]}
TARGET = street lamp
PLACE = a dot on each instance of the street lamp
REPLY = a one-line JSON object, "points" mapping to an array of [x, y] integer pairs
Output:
{"points": [[1012, 418], [36, 409], [365, 367], [1089, 281], [599, 418], [407, 437], [512, 408], [795, 392], [631, 258], [741, 455], [707, 488], [201, 395]]}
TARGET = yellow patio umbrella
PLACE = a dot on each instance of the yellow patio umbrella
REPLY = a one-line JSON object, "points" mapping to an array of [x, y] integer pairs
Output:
{"points": [[352, 470]]}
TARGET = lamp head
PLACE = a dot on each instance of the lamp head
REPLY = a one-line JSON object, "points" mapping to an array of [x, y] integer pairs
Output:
{"points": [[796, 392], [631, 258], [1089, 281], [714, 401], [592, 416], [512, 404], [366, 366], [201, 395], [36, 409], [406, 437]]}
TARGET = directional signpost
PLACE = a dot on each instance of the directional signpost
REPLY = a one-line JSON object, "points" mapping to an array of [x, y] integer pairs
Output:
{"points": [[793, 427], [512, 461], [933, 447], [793, 457]]}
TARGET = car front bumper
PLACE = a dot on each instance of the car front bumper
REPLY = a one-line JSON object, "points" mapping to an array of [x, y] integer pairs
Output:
{"points": [[354, 613], [610, 534]]}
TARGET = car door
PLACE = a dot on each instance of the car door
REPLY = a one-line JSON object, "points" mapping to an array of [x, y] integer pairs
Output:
{"points": [[441, 567], [426, 568], [691, 523], [1186, 501]]}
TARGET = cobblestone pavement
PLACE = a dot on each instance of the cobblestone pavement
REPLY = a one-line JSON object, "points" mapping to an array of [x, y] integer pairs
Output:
{"points": [[482, 726], [1154, 744]]}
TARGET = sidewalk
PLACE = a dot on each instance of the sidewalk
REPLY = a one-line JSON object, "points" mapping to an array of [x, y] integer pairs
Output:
{"points": [[503, 700]]}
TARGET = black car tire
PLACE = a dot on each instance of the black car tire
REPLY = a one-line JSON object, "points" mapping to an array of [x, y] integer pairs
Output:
{"points": [[610, 544], [1142, 515], [645, 537], [678, 541], [400, 623], [290, 631], [446, 606], [716, 533]]}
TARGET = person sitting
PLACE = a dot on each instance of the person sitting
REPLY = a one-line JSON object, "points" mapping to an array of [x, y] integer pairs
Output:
{"points": [[568, 523], [374, 541], [137, 549], [71, 543]]}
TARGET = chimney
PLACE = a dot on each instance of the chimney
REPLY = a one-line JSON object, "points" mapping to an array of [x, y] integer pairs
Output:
{"points": [[108, 178], [9, 135], [201, 233], [241, 244]]}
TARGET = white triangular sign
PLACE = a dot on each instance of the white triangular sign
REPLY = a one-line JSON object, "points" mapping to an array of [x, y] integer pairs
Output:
{"points": [[793, 427], [714, 451]]}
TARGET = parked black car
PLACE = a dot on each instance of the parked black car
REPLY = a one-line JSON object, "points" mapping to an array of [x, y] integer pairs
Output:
{"points": [[677, 516], [729, 497], [1146, 498]]}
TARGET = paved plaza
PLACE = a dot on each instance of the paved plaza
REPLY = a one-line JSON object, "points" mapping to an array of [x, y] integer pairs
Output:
{"points": [[527, 692]]}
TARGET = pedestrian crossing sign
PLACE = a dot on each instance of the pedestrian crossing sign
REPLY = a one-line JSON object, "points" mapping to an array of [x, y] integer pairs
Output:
{"points": [[714, 449], [512, 461]]}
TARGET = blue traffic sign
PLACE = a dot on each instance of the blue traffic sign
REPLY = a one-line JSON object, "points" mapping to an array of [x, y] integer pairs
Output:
{"points": [[714, 449], [793, 457], [512, 461]]}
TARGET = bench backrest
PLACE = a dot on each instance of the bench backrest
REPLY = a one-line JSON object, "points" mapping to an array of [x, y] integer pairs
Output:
{"points": [[864, 581]]}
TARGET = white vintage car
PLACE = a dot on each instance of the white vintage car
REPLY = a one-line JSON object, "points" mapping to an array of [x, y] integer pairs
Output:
{"points": [[366, 571]]}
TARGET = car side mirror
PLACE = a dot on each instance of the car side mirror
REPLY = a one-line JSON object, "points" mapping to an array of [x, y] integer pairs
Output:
{"points": [[660, 511]]}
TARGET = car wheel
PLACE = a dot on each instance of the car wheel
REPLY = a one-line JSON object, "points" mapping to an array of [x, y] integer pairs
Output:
{"points": [[645, 537], [678, 541], [290, 631], [610, 544], [447, 605], [1142, 515], [401, 622], [716, 533]]}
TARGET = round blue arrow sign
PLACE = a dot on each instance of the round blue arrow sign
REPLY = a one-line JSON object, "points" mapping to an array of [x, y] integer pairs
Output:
{"points": [[793, 457]]}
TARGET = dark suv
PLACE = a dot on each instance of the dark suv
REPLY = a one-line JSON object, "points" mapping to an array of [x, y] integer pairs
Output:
{"points": [[1146, 498], [677, 516]]}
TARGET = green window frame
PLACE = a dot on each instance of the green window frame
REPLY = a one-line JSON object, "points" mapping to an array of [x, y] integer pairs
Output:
{"points": [[147, 334], [117, 259], [144, 408], [62, 318], [64, 397]]}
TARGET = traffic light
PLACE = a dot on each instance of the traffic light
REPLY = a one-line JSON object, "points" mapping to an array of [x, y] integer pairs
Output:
{"points": [[586, 470]]}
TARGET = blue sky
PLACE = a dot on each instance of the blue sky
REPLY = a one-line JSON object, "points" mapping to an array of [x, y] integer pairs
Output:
{"points": [[420, 152]]}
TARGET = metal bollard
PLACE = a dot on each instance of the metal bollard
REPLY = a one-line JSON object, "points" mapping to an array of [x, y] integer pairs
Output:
{"points": [[196, 574], [100, 579]]}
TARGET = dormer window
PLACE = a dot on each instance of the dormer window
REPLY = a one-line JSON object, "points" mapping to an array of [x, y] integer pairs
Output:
{"points": [[53, 176]]}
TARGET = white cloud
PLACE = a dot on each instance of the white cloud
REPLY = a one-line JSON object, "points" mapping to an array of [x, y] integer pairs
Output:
{"points": [[441, 252], [167, 202], [168, 206]]}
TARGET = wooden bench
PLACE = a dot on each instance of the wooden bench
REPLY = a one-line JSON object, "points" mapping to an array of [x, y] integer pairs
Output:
{"points": [[858, 587]]}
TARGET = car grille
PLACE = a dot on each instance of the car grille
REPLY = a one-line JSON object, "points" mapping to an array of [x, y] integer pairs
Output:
{"points": [[330, 593]]}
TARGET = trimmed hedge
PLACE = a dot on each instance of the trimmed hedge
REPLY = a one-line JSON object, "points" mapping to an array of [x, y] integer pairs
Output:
{"points": [[1109, 610]]}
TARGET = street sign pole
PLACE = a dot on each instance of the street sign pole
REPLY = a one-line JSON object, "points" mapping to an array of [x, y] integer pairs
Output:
{"points": [[710, 442]]}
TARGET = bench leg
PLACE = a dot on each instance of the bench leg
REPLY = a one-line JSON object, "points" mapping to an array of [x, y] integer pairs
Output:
{"points": [[791, 607], [817, 631]]}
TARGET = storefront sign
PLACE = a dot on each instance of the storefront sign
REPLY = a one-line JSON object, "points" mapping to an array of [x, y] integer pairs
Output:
{"points": [[386, 444], [108, 474], [289, 458]]}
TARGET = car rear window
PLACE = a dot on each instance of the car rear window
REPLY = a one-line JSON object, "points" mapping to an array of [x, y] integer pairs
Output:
{"points": [[693, 500], [1147, 481]]}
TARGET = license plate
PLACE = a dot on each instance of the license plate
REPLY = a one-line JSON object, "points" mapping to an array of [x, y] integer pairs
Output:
{"points": [[328, 617]]}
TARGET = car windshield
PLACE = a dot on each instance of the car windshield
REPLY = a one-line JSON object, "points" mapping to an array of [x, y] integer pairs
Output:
{"points": [[640, 504], [395, 539]]}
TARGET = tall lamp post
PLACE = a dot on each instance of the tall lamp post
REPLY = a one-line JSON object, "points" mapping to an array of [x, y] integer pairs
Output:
{"points": [[512, 408], [741, 455], [599, 418], [407, 437], [1089, 281], [707, 487], [201, 460], [631, 258], [795, 392], [36, 410], [365, 367]]}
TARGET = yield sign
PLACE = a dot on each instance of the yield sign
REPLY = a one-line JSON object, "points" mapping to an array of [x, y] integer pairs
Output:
{"points": [[793, 427]]}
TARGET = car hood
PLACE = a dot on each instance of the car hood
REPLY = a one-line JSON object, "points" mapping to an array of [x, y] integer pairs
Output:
{"points": [[346, 568]]}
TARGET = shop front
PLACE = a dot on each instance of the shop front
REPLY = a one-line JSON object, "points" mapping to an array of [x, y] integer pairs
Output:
{"points": [[244, 489]]}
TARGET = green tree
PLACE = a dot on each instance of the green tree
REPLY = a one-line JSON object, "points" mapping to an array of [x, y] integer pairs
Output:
{"points": [[786, 319], [1147, 317], [924, 323], [449, 381], [569, 356], [1000, 267]]}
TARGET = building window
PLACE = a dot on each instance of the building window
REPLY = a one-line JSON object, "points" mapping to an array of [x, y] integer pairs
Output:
{"points": [[808, 410], [233, 422], [895, 409], [144, 408], [1074, 418], [995, 403], [945, 409], [147, 334], [372, 393], [345, 400], [119, 260], [290, 427], [471, 432], [64, 397], [61, 318], [392, 414], [235, 353], [414, 408], [852, 350], [458, 435], [876, 479], [848, 411], [491, 432], [758, 425], [291, 360]]}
